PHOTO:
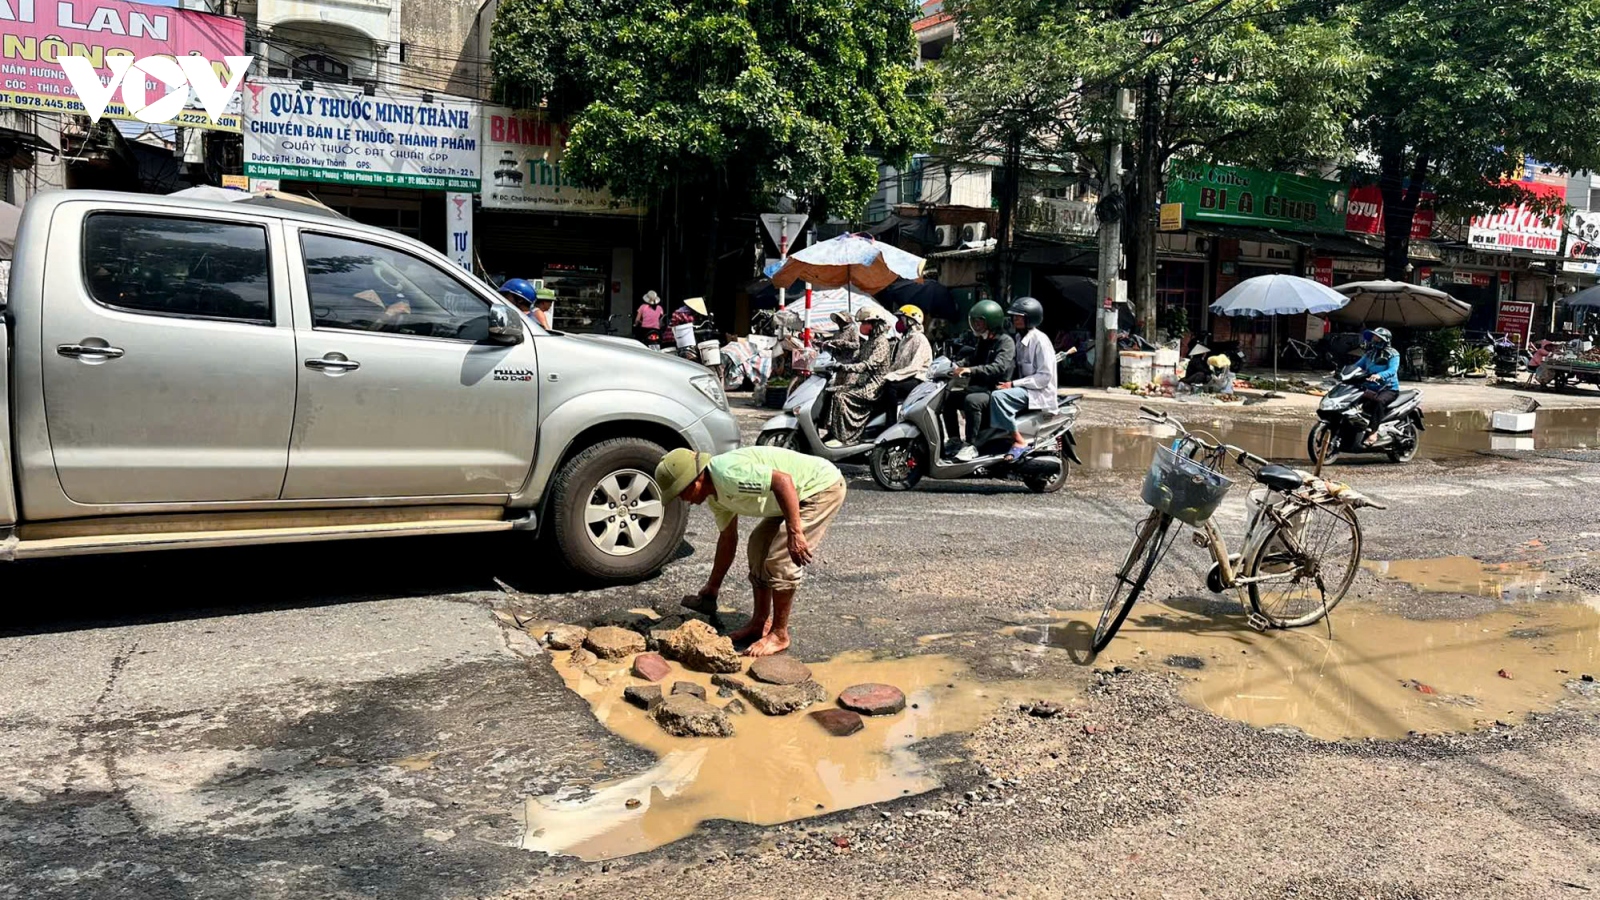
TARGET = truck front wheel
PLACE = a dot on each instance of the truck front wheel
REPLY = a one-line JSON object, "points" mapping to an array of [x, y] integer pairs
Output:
{"points": [[609, 519]]}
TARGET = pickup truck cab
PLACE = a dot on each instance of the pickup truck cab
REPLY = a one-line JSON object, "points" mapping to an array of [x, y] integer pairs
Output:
{"points": [[185, 373]]}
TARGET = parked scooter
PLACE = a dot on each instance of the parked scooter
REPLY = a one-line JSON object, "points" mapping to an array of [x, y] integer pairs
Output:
{"points": [[912, 449], [1342, 422], [799, 426]]}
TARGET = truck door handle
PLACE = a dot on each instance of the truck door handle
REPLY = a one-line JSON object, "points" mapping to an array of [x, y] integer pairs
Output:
{"points": [[333, 364], [79, 351]]}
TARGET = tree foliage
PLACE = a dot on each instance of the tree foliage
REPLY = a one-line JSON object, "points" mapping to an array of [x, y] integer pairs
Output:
{"points": [[741, 99], [1462, 92]]}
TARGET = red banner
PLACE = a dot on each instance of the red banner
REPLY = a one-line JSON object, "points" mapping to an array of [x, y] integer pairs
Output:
{"points": [[1515, 317], [1322, 270], [1364, 213]]}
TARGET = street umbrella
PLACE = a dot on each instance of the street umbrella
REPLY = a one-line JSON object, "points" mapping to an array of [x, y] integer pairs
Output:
{"points": [[1588, 298], [1400, 304], [933, 298], [1278, 295], [851, 261]]}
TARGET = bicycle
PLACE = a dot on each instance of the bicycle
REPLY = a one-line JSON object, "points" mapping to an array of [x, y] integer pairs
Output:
{"points": [[1302, 543], [1298, 353]]}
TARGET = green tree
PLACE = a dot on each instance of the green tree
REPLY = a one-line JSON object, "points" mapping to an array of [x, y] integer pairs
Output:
{"points": [[1036, 82], [707, 107], [1462, 92]]}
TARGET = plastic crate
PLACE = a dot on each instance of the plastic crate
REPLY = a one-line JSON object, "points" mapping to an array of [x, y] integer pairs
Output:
{"points": [[1182, 488]]}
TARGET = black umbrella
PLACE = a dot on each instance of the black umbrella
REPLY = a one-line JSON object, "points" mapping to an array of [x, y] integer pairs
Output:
{"points": [[933, 298], [1588, 298], [1084, 293], [762, 294]]}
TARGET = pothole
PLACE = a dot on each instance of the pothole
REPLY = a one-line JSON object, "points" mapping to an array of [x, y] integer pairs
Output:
{"points": [[1464, 575], [774, 769], [1378, 675]]}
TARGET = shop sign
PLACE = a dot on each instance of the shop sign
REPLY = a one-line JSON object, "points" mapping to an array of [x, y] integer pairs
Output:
{"points": [[1521, 228], [35, 37], [1172, 217], [1236, 196], [1362, 265], [1515, 317], [522, 154], [1475, 279], [1322, 270], [339, 134], [1364, 213], [236, 182], [1048, 215], [458, 208], [1583, 243]]}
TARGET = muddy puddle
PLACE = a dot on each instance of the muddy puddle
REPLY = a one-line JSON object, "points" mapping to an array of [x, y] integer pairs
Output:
{"points": [[774, 769], [1508, 581], [1452, 434], [1379, 675]]}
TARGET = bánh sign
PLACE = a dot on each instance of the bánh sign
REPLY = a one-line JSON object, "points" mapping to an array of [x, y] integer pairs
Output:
{"points": [[339, 134], [1248, 197], [35, 37], [1521, 229], [522, 154]]}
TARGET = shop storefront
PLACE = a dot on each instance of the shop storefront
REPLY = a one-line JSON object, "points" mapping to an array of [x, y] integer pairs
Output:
{"points": [[397, 160], [599, 254]]}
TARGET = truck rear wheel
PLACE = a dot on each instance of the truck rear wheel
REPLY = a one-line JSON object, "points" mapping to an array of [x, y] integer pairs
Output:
{"points": [[609, 519]]}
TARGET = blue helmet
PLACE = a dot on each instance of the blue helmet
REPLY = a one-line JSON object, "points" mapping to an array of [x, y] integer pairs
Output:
{"points": [[521, 288]]}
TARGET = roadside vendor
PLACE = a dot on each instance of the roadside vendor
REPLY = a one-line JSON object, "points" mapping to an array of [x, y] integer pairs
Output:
{"points": [[795, 496]]}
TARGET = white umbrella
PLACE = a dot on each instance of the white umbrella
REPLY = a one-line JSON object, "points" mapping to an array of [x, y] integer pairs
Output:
{"points": [[1398, 303], [1278, 295]]}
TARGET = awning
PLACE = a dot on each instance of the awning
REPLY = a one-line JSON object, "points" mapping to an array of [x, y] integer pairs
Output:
{"points": [[27, 140]]}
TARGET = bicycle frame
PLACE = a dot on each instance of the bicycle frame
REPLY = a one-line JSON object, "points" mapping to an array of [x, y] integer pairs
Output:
{"points": [[1254, 536]]}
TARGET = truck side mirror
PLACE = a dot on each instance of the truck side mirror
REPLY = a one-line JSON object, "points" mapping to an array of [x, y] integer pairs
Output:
{"points": [[504, 328]]}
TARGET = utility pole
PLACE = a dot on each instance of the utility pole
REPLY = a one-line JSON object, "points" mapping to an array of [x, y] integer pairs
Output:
{"points": [[1110, 211]]}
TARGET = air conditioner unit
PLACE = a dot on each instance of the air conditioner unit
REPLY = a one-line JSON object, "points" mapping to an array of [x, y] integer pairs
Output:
{"points": [[973, 232], [946, 235]]}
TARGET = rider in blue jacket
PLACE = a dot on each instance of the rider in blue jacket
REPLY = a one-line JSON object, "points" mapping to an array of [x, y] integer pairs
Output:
{"points": [[1381, 362]]}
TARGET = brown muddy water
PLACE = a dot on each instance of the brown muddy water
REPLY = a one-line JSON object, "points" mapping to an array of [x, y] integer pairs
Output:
{"points": [[1377, 675], [1464, 575], [774, 769], [1449, 435]]}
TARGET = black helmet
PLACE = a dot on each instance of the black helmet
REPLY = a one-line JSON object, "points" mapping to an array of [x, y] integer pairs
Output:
{"points": [[1031, 311], [1377, 338]]}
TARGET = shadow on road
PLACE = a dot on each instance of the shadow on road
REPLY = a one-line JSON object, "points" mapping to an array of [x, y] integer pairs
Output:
{"points": [[70, 594]]}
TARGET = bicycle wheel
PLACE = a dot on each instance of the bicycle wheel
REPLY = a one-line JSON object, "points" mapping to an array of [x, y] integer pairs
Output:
{"points": [[1310, 562], [1149, 543]]}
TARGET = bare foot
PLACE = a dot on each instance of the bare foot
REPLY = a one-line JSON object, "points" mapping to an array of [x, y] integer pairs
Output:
{"points": [[752, 632], [774, 643]]}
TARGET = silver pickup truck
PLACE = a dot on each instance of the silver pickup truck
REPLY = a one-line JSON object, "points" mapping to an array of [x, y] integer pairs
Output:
{"points": [[190, 374]]}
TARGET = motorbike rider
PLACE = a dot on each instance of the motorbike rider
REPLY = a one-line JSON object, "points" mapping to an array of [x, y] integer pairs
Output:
{"points": [[1381, 362], [846, 342], [522, 294], [988, 364], [649, 318], [911, 359], [1034, 386], [855, 399]]}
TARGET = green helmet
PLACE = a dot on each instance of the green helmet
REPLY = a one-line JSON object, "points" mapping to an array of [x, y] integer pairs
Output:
{"points": [[989, 312]]}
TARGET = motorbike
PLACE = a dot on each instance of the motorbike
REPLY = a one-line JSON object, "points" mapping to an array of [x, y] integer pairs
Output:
{"points": [[798, 426], [912, 449], [1342, 422]]}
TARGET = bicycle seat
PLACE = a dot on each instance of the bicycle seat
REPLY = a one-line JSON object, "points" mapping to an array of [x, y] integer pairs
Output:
{"points": [[1279, 478]]}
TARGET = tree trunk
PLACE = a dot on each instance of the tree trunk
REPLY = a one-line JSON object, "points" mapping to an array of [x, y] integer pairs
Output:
{"points": [[1144, 217], [713, 248], [1399, 207], [1010, 188]]}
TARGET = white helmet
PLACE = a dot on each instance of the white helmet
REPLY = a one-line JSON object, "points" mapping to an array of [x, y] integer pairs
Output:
{"points": [[871, 312]]}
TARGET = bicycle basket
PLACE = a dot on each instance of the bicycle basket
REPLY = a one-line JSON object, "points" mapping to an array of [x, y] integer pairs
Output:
{"points": [[1183, 488]]}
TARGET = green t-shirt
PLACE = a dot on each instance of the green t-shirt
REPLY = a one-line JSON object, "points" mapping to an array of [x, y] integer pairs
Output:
{"points": [[742, 480]]}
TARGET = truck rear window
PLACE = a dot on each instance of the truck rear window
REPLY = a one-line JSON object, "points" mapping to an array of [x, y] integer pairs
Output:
{"points": [[175, 266]]}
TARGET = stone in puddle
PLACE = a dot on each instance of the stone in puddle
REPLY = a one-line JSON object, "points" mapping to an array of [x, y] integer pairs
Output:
{"points": [[780, 669], [659, 629], [735, 708], [782, 699], [651, 667], [689, 688], [643, 696], [582, 658], [873, 699], [698, 646], [611, 642], [726, 692], [727, 681], [687, 716], [566, 637], [839, 722]]}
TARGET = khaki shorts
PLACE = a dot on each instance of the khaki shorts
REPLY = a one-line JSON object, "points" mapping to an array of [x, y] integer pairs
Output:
{"points": [[768, 550]]}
